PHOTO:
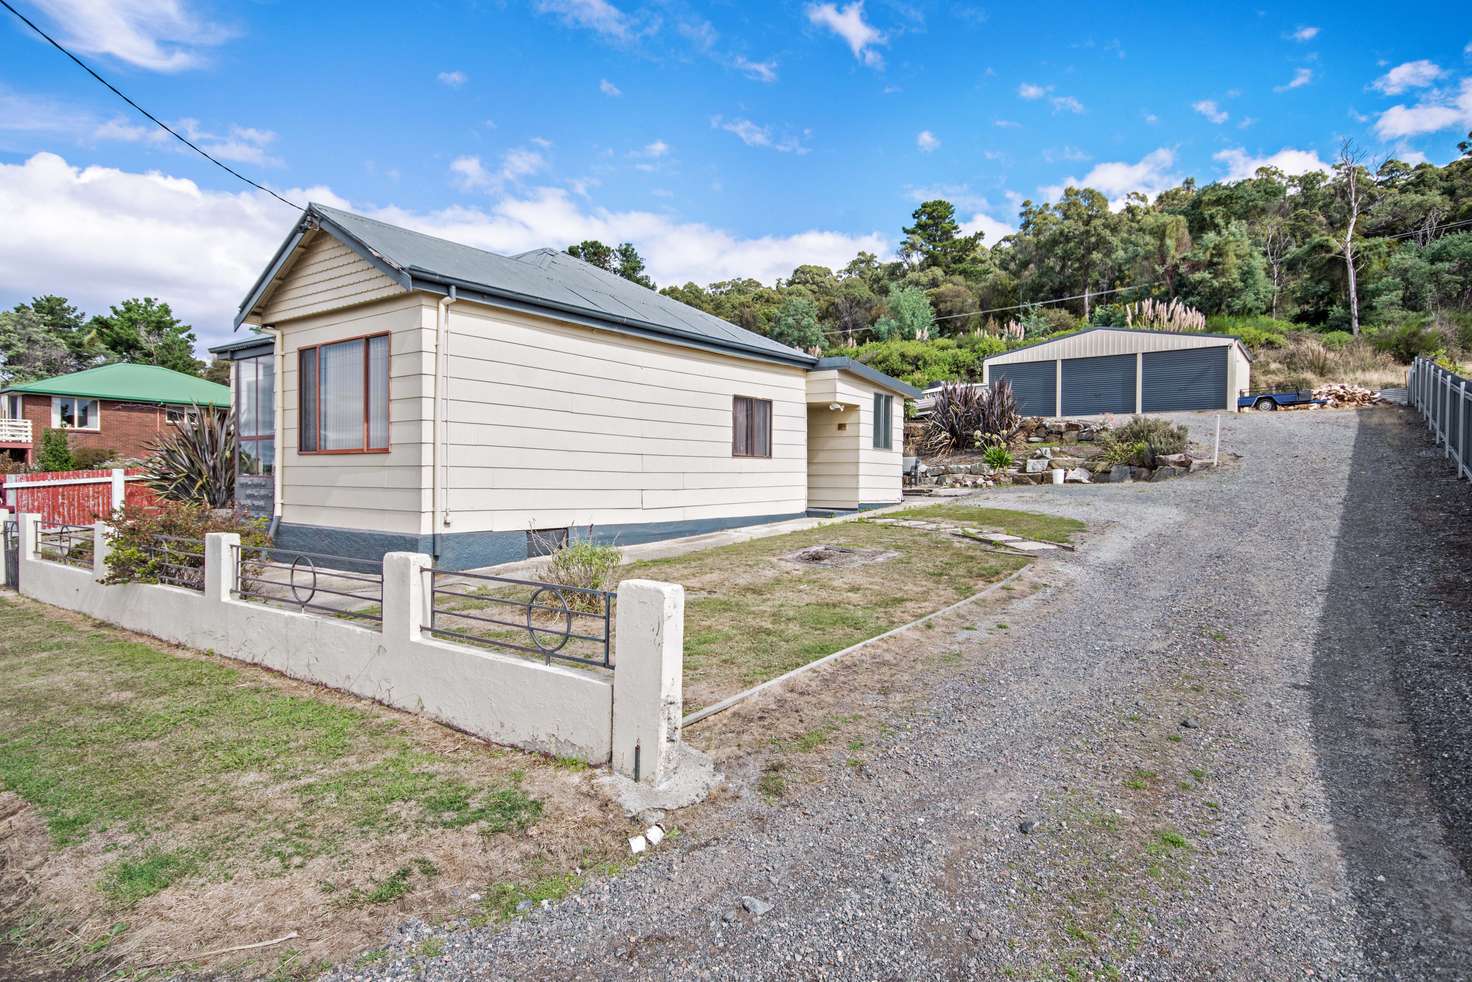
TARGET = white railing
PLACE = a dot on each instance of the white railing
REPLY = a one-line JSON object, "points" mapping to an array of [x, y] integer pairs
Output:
{"points": [[15, 431], [1444, 399]]}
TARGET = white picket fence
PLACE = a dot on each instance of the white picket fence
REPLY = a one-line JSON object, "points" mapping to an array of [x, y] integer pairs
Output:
{"points": [[1445, 401]]}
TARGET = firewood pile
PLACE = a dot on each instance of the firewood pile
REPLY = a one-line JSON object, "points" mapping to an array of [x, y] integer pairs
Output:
{"points": [[1337, 394]]}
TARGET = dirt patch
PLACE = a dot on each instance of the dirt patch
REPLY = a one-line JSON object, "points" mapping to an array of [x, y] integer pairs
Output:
{"points": [[827, 554]]}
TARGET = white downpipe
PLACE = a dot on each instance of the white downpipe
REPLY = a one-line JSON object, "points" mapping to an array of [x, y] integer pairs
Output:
{"points": [[439, 462], [278, 442]]}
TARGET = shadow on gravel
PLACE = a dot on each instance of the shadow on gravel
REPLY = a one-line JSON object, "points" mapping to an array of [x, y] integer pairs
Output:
{"points": [[1392, 698]]}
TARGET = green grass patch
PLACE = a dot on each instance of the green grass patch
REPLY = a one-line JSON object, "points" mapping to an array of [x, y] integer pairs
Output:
{"points": [[1029, 525], [193, 767], [504, 901]]}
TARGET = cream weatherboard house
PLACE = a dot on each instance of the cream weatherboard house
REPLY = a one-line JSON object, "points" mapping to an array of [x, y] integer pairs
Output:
{"points": [[431, 397]]}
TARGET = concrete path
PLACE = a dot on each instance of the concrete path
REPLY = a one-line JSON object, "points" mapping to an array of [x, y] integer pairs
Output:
{"points": [[1231, 738]]}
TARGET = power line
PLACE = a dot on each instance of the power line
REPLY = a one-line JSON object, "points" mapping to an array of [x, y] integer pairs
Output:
{"points": [[1019, 306], [158, 122]]}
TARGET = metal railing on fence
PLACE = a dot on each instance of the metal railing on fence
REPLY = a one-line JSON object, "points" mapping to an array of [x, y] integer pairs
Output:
{"points": [[310, 581], [1444, 400], [70, 545], [549, 620], [177, 561]]}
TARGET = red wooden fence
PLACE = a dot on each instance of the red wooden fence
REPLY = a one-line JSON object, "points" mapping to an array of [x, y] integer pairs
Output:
{"points": [[76, 497]]}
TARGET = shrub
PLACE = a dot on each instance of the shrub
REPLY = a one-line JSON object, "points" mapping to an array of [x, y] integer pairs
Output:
{"points": [[965, 416], [584, 564], [1405, 341], [1334, 340], [1135, 452], [1146, 437], [195, 462], [1257, 331], [134, 554], [55, 453], [998, 457], [1156, 315], [92, 458]]}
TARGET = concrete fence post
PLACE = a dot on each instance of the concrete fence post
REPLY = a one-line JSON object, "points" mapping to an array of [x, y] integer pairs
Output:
{"points": [[220, 569], [405, 598], [119, 488], [30, 535], [101, 546], [648, 678], [5, 570]]}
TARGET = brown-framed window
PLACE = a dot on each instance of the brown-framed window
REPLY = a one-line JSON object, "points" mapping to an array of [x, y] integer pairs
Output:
{"points": [[751, 427], [342, 396], [883, 422]]}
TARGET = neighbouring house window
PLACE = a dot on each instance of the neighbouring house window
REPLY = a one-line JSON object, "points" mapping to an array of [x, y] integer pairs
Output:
{"points": [[179, 416], [883, 422], [75, 414], [255, 413], [751, 427], [343, 398], [13, 407]]}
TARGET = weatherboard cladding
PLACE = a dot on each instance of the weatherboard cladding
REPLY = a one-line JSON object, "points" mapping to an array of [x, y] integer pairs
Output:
{"points": [[1098, 341], [1191, 378]]}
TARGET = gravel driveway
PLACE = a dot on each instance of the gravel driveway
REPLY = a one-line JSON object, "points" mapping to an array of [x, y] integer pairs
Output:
{"points": [[1232, 737]]}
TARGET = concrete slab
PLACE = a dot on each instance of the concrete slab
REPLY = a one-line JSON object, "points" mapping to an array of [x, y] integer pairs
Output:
{"points": [[1028, 546], [692, 775]]}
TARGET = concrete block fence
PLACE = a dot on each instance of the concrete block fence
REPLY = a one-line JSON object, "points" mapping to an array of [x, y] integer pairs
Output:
{"points": [[631, 718]]}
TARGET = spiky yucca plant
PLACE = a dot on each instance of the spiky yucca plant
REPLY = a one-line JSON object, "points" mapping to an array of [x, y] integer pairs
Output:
{"points": [[963, 416], [196, 462]]}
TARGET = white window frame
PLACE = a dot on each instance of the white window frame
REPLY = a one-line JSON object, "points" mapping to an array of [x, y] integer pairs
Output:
{"points": [[185, 413], [15, 406], [96, 414]]}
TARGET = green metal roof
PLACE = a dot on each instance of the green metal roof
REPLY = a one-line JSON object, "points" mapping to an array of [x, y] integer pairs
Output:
{"points": [[125, 382]]}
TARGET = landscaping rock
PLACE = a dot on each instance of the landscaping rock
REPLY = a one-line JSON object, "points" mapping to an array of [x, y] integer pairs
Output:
{"points": [[1078, 475], [1027, 826], [1167, 472], [1139, 473], [1036, 465]]}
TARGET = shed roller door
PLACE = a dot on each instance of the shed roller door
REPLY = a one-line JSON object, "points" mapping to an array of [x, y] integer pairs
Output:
{"points": [[1192, 378], [1098, 385], [1034, 385]]}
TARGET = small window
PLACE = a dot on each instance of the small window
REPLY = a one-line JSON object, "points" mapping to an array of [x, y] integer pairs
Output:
{"points": [[179, 416], [13, 407], [343, 396], [883, 422], [544, 542], [75, 414], [751, 427]]}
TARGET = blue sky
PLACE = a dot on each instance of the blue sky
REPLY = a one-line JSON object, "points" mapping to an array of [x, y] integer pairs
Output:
{"points": [[722, 139]]}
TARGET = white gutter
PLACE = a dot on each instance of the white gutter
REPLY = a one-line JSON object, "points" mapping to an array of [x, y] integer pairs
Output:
{"points": [[440, 454]]}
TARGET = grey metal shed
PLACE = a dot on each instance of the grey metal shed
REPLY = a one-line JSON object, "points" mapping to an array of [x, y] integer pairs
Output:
{"points": [[1123, 370]]}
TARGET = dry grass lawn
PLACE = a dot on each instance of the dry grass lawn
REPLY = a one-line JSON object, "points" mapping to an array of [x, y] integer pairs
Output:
{"points": [[157, 803]]}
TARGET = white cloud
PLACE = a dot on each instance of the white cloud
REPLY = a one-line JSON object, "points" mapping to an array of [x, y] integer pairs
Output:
{"points": [[1067, 103], [1030, 90], [161, 236], [1150, 175], [990, 228], [656, 149], [470, 174], [160, 35], [702, 33], [1412, 75], [1150, 119], [848, 23], [609, 89], [1052, 155], [1209, 109], [927, 141], [598, 16], [1007, 124], [1305, 34], [1241, 165], [1301, 77], [238, 144], [755, 135], [761, 71], [453, 79], [1437, 111]]}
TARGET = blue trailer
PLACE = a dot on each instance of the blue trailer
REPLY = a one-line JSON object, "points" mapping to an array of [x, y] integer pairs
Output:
{"points": [[1271, 401]]}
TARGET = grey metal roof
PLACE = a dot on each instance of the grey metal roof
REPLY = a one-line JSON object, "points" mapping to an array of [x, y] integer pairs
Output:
{"points": [[542, 279], [1131, 330], [865, 372]]}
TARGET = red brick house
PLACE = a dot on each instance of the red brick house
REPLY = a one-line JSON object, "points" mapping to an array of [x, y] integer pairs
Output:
{"points": [[121, 407]]}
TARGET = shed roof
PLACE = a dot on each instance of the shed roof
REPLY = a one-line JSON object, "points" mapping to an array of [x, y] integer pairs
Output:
{"points": [[1092, 341], [544, 280], [126, 382]]}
